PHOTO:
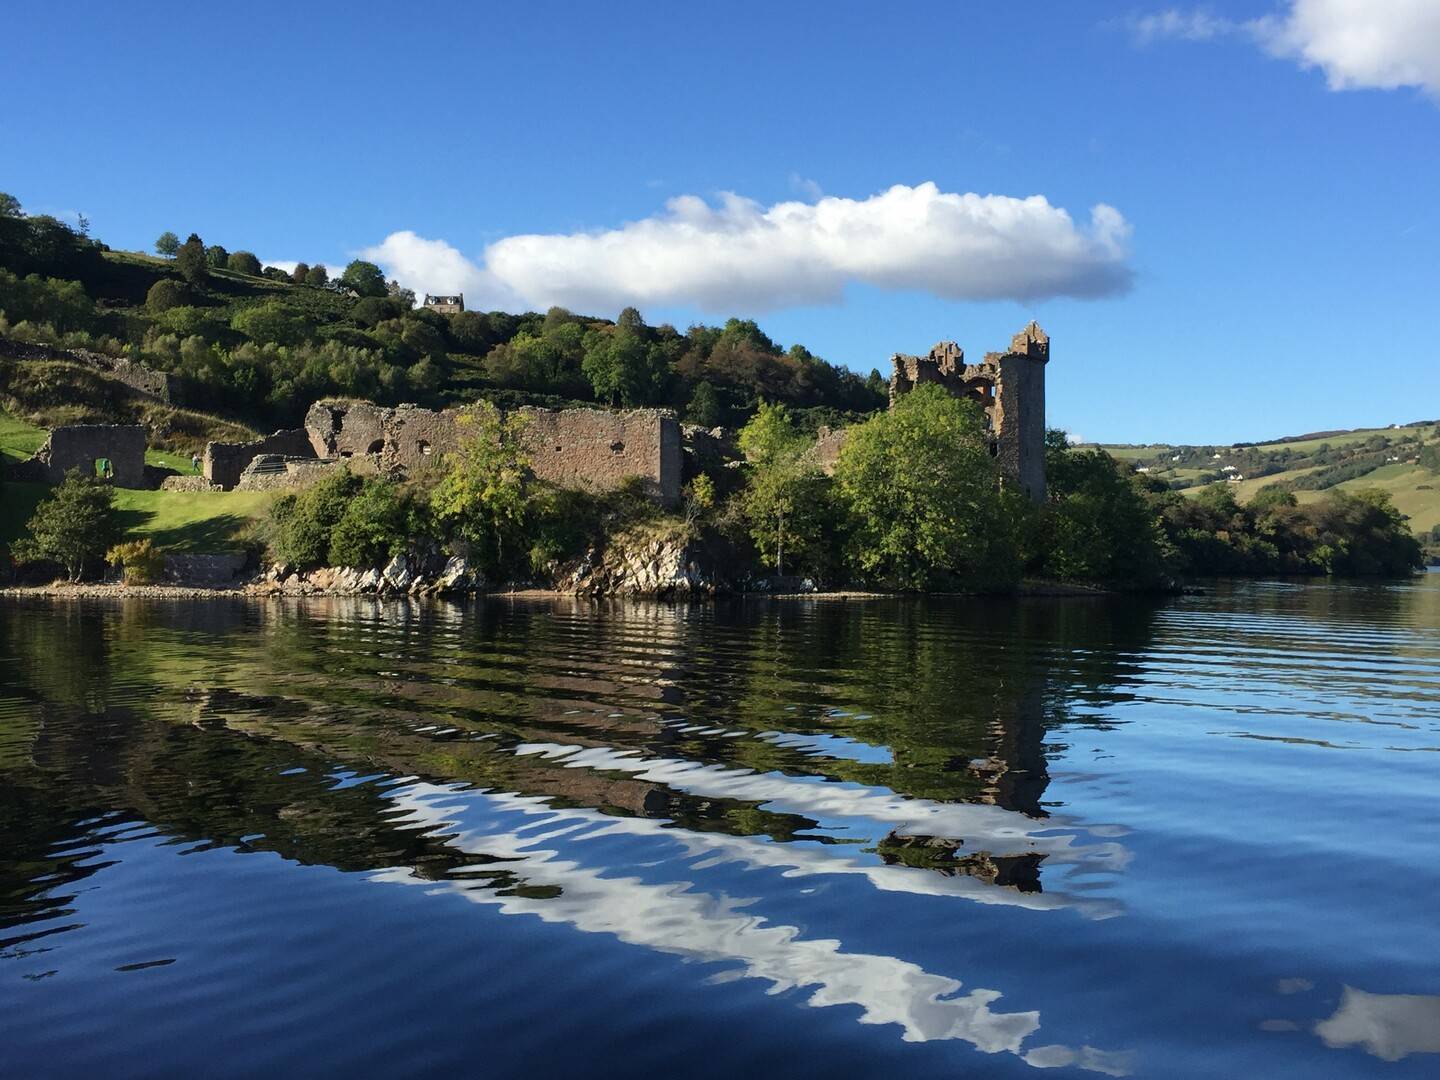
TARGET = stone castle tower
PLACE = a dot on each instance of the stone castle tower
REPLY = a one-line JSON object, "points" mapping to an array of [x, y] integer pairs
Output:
{"points": [[1009, 386]]}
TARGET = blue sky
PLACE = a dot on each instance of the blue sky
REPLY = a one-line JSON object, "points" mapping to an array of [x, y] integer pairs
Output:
{"points": [[1273, 170]]}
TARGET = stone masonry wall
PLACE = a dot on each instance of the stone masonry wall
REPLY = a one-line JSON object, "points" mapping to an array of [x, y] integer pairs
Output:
{"points": [[80, 446], [587, 448], [596, 450], [223, 463], [293, 474]]}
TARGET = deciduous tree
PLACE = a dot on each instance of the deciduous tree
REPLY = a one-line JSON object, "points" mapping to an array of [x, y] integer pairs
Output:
{"points": [[73, 525]]}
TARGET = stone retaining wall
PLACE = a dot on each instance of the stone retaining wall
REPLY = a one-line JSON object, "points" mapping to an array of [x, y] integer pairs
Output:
{"points": [[137, 376]]}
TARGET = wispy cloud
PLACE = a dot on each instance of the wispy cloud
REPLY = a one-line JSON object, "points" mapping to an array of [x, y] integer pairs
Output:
{"points": [[805, 187], [1175, 25], [1358, 44], [738, 256]]}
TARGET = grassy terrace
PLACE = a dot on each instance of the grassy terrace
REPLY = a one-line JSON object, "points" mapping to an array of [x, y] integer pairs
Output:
{"points": [[197, 521]]}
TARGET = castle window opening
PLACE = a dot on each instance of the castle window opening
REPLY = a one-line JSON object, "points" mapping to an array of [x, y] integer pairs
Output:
{"points": [[617, 447], [375, 447], [423, 447]]}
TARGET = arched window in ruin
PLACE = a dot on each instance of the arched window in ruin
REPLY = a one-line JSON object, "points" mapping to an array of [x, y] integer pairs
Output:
{"points": [[375, 447]]}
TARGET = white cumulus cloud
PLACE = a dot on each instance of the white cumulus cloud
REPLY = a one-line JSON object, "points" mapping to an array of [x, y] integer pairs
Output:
{"points": [[1358, 44], [1381, 44], [739, 256]]}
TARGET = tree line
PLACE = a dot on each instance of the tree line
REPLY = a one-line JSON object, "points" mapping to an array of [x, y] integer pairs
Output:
{"points": [[914, 502]]}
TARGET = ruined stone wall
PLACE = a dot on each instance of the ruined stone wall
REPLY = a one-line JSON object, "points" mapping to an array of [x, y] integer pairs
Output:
{"points": [[374, 439], [586, 448], [597, 450], [273, 472], [80, 446], [137, 376], [223, 463], [826, 451]]}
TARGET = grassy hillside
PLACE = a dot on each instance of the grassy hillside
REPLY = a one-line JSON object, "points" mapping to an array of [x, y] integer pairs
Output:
{"points": [[43, 394], [1310, 465]]}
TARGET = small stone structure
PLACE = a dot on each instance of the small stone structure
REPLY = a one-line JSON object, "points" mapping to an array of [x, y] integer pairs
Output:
{"points": [[223, 463], [277, 472], [82, 446], [445, 305], [1009, 386], [187, 482], [585, 448], [135, 375]]}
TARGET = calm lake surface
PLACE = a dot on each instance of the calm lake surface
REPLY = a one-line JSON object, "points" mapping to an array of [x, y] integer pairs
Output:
{"points": [[943, 837]]}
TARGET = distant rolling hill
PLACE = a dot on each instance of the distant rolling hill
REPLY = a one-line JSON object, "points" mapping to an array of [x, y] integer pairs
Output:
{"points": [[1404, 460]]}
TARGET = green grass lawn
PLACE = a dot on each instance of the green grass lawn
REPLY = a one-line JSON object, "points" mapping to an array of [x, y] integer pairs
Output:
{"points": [[190, 521], [18, 440]]}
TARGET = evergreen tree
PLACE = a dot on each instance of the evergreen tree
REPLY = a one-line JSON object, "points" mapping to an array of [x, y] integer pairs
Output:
{"points": [[190, 260]]}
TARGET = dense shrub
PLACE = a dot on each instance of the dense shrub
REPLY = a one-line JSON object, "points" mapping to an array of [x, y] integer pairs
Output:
{"points": [[301, 525], [165, 294], [379, 521], [141, 561], [919, 488], [243, 262]]}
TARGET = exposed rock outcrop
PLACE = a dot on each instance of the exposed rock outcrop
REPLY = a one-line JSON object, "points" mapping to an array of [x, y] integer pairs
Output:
{"points": [[668, 565], [404, 575]]}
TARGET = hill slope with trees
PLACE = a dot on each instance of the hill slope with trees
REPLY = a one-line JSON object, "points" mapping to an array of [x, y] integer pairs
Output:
{"points": [[259, 344]]}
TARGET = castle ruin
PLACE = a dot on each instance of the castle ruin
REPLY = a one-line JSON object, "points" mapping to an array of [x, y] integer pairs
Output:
{"points": [[117, 450], [581, 448], [1008, 386]]}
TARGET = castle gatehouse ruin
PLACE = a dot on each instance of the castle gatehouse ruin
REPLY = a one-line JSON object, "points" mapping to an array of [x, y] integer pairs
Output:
{"points": [[1008, 386]]}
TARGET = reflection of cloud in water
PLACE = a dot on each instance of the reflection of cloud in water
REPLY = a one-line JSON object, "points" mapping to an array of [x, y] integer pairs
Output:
{"points": [[1389, 1026], [983, 828], [676, 919]]}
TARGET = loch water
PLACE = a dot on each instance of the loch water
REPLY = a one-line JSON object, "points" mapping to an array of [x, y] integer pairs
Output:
{"points": [[1197, 837]]}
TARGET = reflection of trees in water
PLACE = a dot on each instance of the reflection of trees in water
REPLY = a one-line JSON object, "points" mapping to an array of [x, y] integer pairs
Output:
{"points": [[949, 701]]}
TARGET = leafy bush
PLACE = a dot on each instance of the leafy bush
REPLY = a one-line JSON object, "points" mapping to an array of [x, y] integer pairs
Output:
{"points": [[243, 262], [920, 490], [301, 525], [141, 561], [165, 294], [379, 522]]}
